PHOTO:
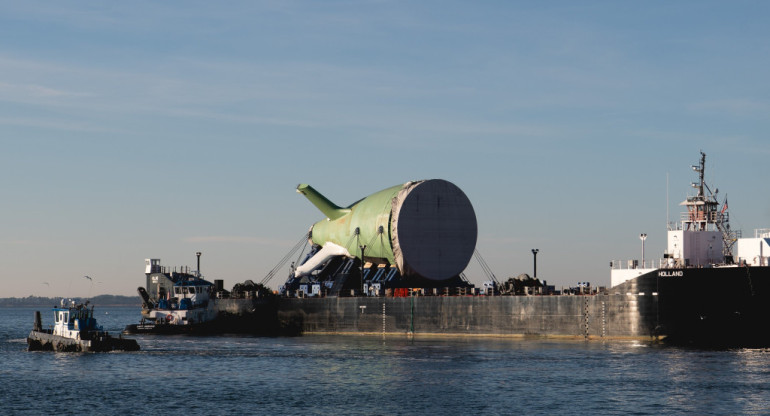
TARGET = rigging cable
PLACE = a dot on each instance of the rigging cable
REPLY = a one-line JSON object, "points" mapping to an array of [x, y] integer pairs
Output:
{"points": [[299, 257], [378, 234], [285, 258], [485, 267]]}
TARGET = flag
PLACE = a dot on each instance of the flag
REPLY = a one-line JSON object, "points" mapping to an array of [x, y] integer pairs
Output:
{"points": [[724, 207]]}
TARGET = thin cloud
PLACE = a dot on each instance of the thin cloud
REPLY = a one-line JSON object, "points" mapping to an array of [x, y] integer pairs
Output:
{"points": [[235, 239], [32, 89], [743, 107], [30, 92], [19, 242], [55, 124], [500, 240]]}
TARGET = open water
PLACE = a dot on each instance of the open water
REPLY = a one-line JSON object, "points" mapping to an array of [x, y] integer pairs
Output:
{"points": [[356, 375]]}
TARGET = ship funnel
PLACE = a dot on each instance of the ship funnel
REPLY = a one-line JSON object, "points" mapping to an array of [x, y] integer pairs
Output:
{"points": [[425, 228]]}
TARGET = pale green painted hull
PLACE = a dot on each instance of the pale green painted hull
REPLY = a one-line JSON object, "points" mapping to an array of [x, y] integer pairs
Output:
{"points": [[368, 215], [426, 228]]}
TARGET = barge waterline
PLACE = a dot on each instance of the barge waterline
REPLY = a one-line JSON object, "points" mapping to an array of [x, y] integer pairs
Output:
{"points": [[601, 316], [516, 337]]}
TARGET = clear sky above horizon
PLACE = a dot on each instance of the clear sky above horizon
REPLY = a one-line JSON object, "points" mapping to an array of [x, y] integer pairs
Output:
{"points": [[132, 130]]}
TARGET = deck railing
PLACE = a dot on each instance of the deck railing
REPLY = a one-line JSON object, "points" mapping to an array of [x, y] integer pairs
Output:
{"points": [[637, 264]]}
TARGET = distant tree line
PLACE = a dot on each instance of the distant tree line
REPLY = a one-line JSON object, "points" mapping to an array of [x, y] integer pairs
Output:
{"points": [[101, 300]]}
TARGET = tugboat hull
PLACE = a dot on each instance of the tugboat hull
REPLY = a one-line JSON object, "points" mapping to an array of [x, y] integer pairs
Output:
{"points": [[44, 341], [718, 306], [230, 316], [75, 330]]}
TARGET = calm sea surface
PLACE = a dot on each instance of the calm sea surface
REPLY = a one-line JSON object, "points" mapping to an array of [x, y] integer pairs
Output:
{"points": [[333, 375]]}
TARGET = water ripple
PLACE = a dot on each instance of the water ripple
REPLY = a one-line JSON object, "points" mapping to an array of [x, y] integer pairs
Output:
{"points": [[350, 375]]}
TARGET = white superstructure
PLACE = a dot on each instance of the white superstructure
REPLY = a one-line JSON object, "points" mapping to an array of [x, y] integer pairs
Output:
{"points": [[702, 238], [755, 251]]}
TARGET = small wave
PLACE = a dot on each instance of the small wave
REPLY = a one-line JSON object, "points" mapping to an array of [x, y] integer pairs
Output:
{"points": [[18, 341]]}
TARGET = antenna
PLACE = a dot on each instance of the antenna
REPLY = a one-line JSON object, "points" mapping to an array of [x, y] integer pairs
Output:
{"points": [[668, 219]]}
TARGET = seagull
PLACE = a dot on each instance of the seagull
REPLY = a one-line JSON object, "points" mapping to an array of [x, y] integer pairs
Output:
{"points": [[88, 278], [46, 283]]}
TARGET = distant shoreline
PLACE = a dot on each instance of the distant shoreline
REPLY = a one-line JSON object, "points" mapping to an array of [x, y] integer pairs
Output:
{"points": [[99, 301]]}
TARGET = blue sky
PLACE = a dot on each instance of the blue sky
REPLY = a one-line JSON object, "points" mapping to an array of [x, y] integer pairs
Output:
{"points": [[158, 129]]}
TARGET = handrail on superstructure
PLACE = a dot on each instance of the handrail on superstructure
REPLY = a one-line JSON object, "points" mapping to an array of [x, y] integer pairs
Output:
{"points": [[629, 264]]}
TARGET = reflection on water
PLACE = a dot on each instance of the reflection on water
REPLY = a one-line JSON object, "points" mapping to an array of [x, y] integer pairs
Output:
{"points": [[374, 375]]}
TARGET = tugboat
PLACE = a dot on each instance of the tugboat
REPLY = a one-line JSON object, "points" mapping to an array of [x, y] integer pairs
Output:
{"points": [[712, 286], [75, 330], [182, 305], [183, 302]]}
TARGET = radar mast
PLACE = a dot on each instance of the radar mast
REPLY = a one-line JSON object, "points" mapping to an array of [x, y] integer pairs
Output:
{"points": [[703, 213]]}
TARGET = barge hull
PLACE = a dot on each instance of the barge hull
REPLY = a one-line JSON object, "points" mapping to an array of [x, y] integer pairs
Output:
{"points": [[716, 307], [578, 316]]}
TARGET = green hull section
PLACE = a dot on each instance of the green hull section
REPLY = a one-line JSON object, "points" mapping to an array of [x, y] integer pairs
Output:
{"points": [[424, 228], [371, 216]]}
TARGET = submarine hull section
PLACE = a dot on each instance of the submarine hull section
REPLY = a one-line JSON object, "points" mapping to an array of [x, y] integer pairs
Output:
{"points": [[425, 228]]}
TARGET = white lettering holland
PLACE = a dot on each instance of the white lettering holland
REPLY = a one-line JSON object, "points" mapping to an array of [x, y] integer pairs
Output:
{"points": [[670, 273]]}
